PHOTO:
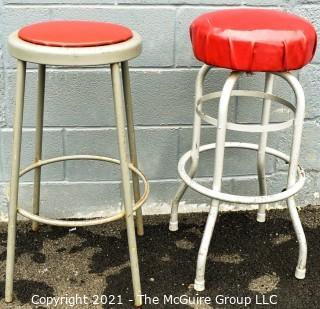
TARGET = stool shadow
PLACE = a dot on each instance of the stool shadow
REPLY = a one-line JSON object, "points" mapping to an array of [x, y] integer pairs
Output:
{"points": [[242, 251], [25, 289], [263, 251], [31, 242]]}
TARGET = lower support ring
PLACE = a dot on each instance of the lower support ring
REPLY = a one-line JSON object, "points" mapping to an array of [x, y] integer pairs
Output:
{"points": [[240, 199], [77, 223]]}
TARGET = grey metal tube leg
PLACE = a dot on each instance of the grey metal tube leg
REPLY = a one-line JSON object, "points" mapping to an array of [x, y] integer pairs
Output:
{"points": [[38, 142], [14, 183], [173, 225], [294, 157], [126, 188], [132, 142], [261, 155], [199, 283]]}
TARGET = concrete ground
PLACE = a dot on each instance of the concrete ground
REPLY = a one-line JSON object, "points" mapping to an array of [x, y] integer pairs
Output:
{"points": [[246, 259]]}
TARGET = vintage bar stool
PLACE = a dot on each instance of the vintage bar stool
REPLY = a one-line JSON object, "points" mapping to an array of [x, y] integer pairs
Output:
{"points": [[77, 43], [248, 40]]}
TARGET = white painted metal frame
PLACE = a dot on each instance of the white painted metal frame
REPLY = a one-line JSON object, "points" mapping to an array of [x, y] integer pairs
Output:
{"points": [[117, 56], [294, 184]]}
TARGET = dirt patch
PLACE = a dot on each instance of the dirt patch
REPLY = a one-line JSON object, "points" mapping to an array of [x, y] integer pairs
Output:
{"points": [[184, 244], [280, 239], [247, 258], [227, 258], [264, 284]]}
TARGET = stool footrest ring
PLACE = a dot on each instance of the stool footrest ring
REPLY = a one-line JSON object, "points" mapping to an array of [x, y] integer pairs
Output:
{"points": [[87, 222], [240, 199], [258, 128]]}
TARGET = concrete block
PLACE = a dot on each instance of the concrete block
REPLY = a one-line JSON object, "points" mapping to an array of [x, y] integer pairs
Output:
{"points": [[310, 147], [297, 2], [154, 2], [246, 186], [312, 14], [74, 200], [3, 202], [169, 94], [157, 153], [309, 157], [183, 48], [249, 186], [37, 2], [275, 184], [309, 194], [275, 3], [16, 17], [2, 99], [311, 85], [72, 98], [52, 147], [237, 162], [249, 109], [173, 2], [101, 142], [164, 191], [1, 54], [84, 97]]}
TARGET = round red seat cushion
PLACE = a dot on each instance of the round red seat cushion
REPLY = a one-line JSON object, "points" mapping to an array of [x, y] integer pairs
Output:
{"points": [[74, 33], [253, 40]]}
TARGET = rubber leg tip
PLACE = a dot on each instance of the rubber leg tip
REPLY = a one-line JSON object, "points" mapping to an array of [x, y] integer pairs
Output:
{"points": [[300, 273], [261, 218], [173, 226], [199, 285], [140, 233], [35, 227], [8, 300]]}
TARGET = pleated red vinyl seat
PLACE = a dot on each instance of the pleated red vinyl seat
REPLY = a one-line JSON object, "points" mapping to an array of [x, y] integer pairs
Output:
{"points": [[75, 33], [253, 40]]}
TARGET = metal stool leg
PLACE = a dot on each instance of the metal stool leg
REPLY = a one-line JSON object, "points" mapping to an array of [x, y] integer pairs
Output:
{"points": [[295, 150], [199, 283], [300, 272], [173, 225], [14, 183], [132, 141], [126, 188], [38, 143], [261, 158]]}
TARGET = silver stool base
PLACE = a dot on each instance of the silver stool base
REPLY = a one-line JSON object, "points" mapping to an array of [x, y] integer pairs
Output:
{"points": [[124, 117], [293, 184]]}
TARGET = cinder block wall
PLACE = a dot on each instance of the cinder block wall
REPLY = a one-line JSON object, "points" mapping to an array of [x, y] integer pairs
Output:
{"points": [[79, 109]]}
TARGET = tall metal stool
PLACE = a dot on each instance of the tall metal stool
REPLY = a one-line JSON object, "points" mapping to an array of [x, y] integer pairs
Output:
{"points": [[247, 40], [77, 43]]}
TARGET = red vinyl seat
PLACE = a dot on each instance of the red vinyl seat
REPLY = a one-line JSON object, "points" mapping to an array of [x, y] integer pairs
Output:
{"points": [[253, 40], [74, 33]]}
